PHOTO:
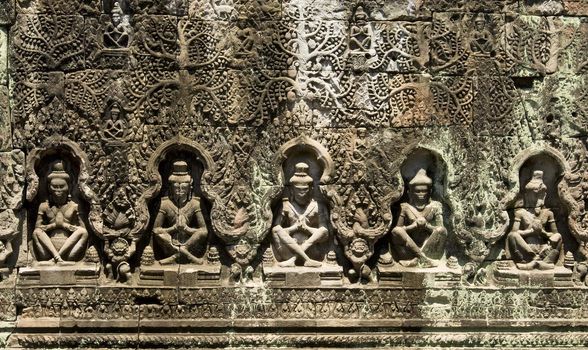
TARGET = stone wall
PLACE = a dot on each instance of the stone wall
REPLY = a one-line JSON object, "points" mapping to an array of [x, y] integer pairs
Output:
{"points": [[293, 173]]}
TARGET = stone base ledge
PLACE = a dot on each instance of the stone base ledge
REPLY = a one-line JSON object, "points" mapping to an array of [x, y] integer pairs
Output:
{"points": [[326, 275], [80, 273], [415, 277], [389, 340], [179, 275]]}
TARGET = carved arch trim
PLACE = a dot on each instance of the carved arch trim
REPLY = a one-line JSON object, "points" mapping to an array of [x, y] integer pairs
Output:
{"points": [[156, 182], [60, 145], [563, 191], [322, 156], [446, 176], [519, 161]]}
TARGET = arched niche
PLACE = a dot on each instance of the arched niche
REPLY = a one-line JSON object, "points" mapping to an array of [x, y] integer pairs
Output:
{"points": [[306, 150], [436, 169], [320, 168], [159, 169], [75, 162], [554, 166], [298, 148], [54, 148], [432, 162], [176, 145]]}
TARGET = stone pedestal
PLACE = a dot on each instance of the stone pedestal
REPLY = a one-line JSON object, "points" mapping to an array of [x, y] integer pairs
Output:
{"points": [[505, 273], [81, 273], [5, 273], [298, 276], [398, 275], [182, 275]]}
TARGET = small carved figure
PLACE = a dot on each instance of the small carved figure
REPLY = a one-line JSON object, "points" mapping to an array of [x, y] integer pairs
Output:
{"points": [[481, 40], [118, 222], [361, 34], [115, 125], [534, 242], [419, 232], [361, 40], [59, 232], [8, 230], [301, 222], [179, 227], [118, 33]]}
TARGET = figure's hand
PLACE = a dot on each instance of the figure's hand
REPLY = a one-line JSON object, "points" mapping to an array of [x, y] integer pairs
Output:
{"points": [[295, 227], [181, 225], [410, 227], [170, 229], [304, 227], [59, 220], [537, 228]]}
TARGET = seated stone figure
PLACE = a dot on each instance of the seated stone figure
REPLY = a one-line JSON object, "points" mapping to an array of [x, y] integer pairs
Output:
{"points": [[300, 224], [179, 227], [419, 234], [117, 34], [481, 40], [533, 242], [59, 232]]}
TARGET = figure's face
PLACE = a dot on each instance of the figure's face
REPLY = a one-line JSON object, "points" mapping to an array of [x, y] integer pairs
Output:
{"points": [[421, 192], [58, 188], [116, 19], [114, 114], [301, 194], [181, 189], [120, 200], [480, 24], [535, 197]]}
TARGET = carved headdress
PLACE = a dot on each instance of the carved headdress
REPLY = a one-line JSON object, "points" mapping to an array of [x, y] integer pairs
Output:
{"points": [[117, 9], [480, 18], [180, 172], [421, 178], [360, 15], [536, 183], [58, 172], [301, 178]]}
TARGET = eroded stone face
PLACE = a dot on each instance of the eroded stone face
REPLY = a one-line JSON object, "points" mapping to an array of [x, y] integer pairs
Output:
{"points": [[310, 165]]}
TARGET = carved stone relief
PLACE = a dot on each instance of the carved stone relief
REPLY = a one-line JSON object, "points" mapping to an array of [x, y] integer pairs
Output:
{"points": [[59, 234], [302, 248], [322, 171], [180, 243], [11, 194], [59, 238]]}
